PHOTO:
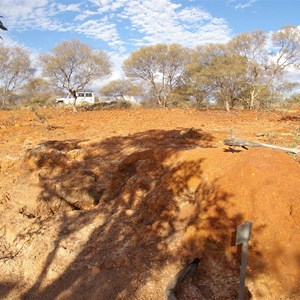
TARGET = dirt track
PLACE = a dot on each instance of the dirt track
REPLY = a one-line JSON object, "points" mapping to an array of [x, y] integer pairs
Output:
{"points": [[111, 204]]}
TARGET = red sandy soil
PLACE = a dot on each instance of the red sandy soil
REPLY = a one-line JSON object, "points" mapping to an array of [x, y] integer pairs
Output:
{"points": [[111, 204]]}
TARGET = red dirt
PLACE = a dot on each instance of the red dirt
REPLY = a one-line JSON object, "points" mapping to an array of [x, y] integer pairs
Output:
{"points": [[112, 204]]}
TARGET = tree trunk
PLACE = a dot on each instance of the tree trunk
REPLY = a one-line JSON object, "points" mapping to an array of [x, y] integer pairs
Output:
{"points": [[75, 99], [74, 108], [165, 103], [252, 99], [5, 97], [159, 101], [227, 105]]}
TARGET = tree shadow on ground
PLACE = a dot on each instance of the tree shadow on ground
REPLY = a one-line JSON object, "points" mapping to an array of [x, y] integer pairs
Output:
{"points": [[296, 290], [6, 287], [76, 173], [153, 214], [290, 118], [210, 232]]}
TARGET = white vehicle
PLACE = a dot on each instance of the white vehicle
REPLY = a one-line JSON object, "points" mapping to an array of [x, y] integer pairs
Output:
{"points": [[83, 97]]}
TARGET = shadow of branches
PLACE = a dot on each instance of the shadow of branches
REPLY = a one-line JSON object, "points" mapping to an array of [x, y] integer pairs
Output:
{"points": [[293, 118], [75, 174], [153, 213], [211, 231], [6, 287]]}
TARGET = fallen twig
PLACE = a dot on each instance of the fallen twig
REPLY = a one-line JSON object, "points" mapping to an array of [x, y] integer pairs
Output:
{"points": [[235, 142]]}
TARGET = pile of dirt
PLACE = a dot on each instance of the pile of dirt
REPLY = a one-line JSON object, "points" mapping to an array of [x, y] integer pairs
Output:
{"points": [[116, 219], [112, 204]]}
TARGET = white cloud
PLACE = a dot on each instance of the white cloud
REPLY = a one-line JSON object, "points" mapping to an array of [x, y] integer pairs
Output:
{"points": [[292, 75], [70, 7], [21, 8], [85, 14], [119, 23], [193, 15], [100, 29], [32, 14], [122, 24], [163, 21], [242, 5], [116, 61]]}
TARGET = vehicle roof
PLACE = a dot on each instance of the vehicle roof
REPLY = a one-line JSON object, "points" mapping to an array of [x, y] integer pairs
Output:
{"points": [[80, 91]]}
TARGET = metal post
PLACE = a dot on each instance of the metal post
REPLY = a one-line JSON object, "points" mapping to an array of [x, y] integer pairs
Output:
{"points": [[244, 233], [243, 271]]}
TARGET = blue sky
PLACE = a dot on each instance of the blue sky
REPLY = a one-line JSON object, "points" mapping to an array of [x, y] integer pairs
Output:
{"points": [[121, 26]]}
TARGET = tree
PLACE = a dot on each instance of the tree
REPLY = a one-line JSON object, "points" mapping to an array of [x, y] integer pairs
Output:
{"points": [[252, 46], [37, 91], [294, 99], [73, 65], [265, 69], [161, 67], [120, 88], [218, 73], [287, 43], [226, 76], [195, 83], [15, 70]]}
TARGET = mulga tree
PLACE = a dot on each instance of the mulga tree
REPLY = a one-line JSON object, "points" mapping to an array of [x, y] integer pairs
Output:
{"points": [[72, 65], [15, 70], [120, 88], [162, 67], [218, 73], [268, 58]]}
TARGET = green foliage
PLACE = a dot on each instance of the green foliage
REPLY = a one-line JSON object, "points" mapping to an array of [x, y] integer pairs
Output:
{"points": [[15, 70], [37, 93], [241, 73], [121, 88], [149, 103], [118, 104], [294, 99], [238, 74], [219, 72], [264, 69], [72, 65], [161, 67], [296, 138]]}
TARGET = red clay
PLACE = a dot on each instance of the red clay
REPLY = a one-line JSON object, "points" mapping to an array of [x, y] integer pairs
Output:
{"points": [[111, 204]]}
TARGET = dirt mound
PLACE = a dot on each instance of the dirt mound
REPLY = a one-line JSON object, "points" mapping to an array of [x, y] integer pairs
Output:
{"points": [[117, 216], [251, 190], [131, 217]]}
